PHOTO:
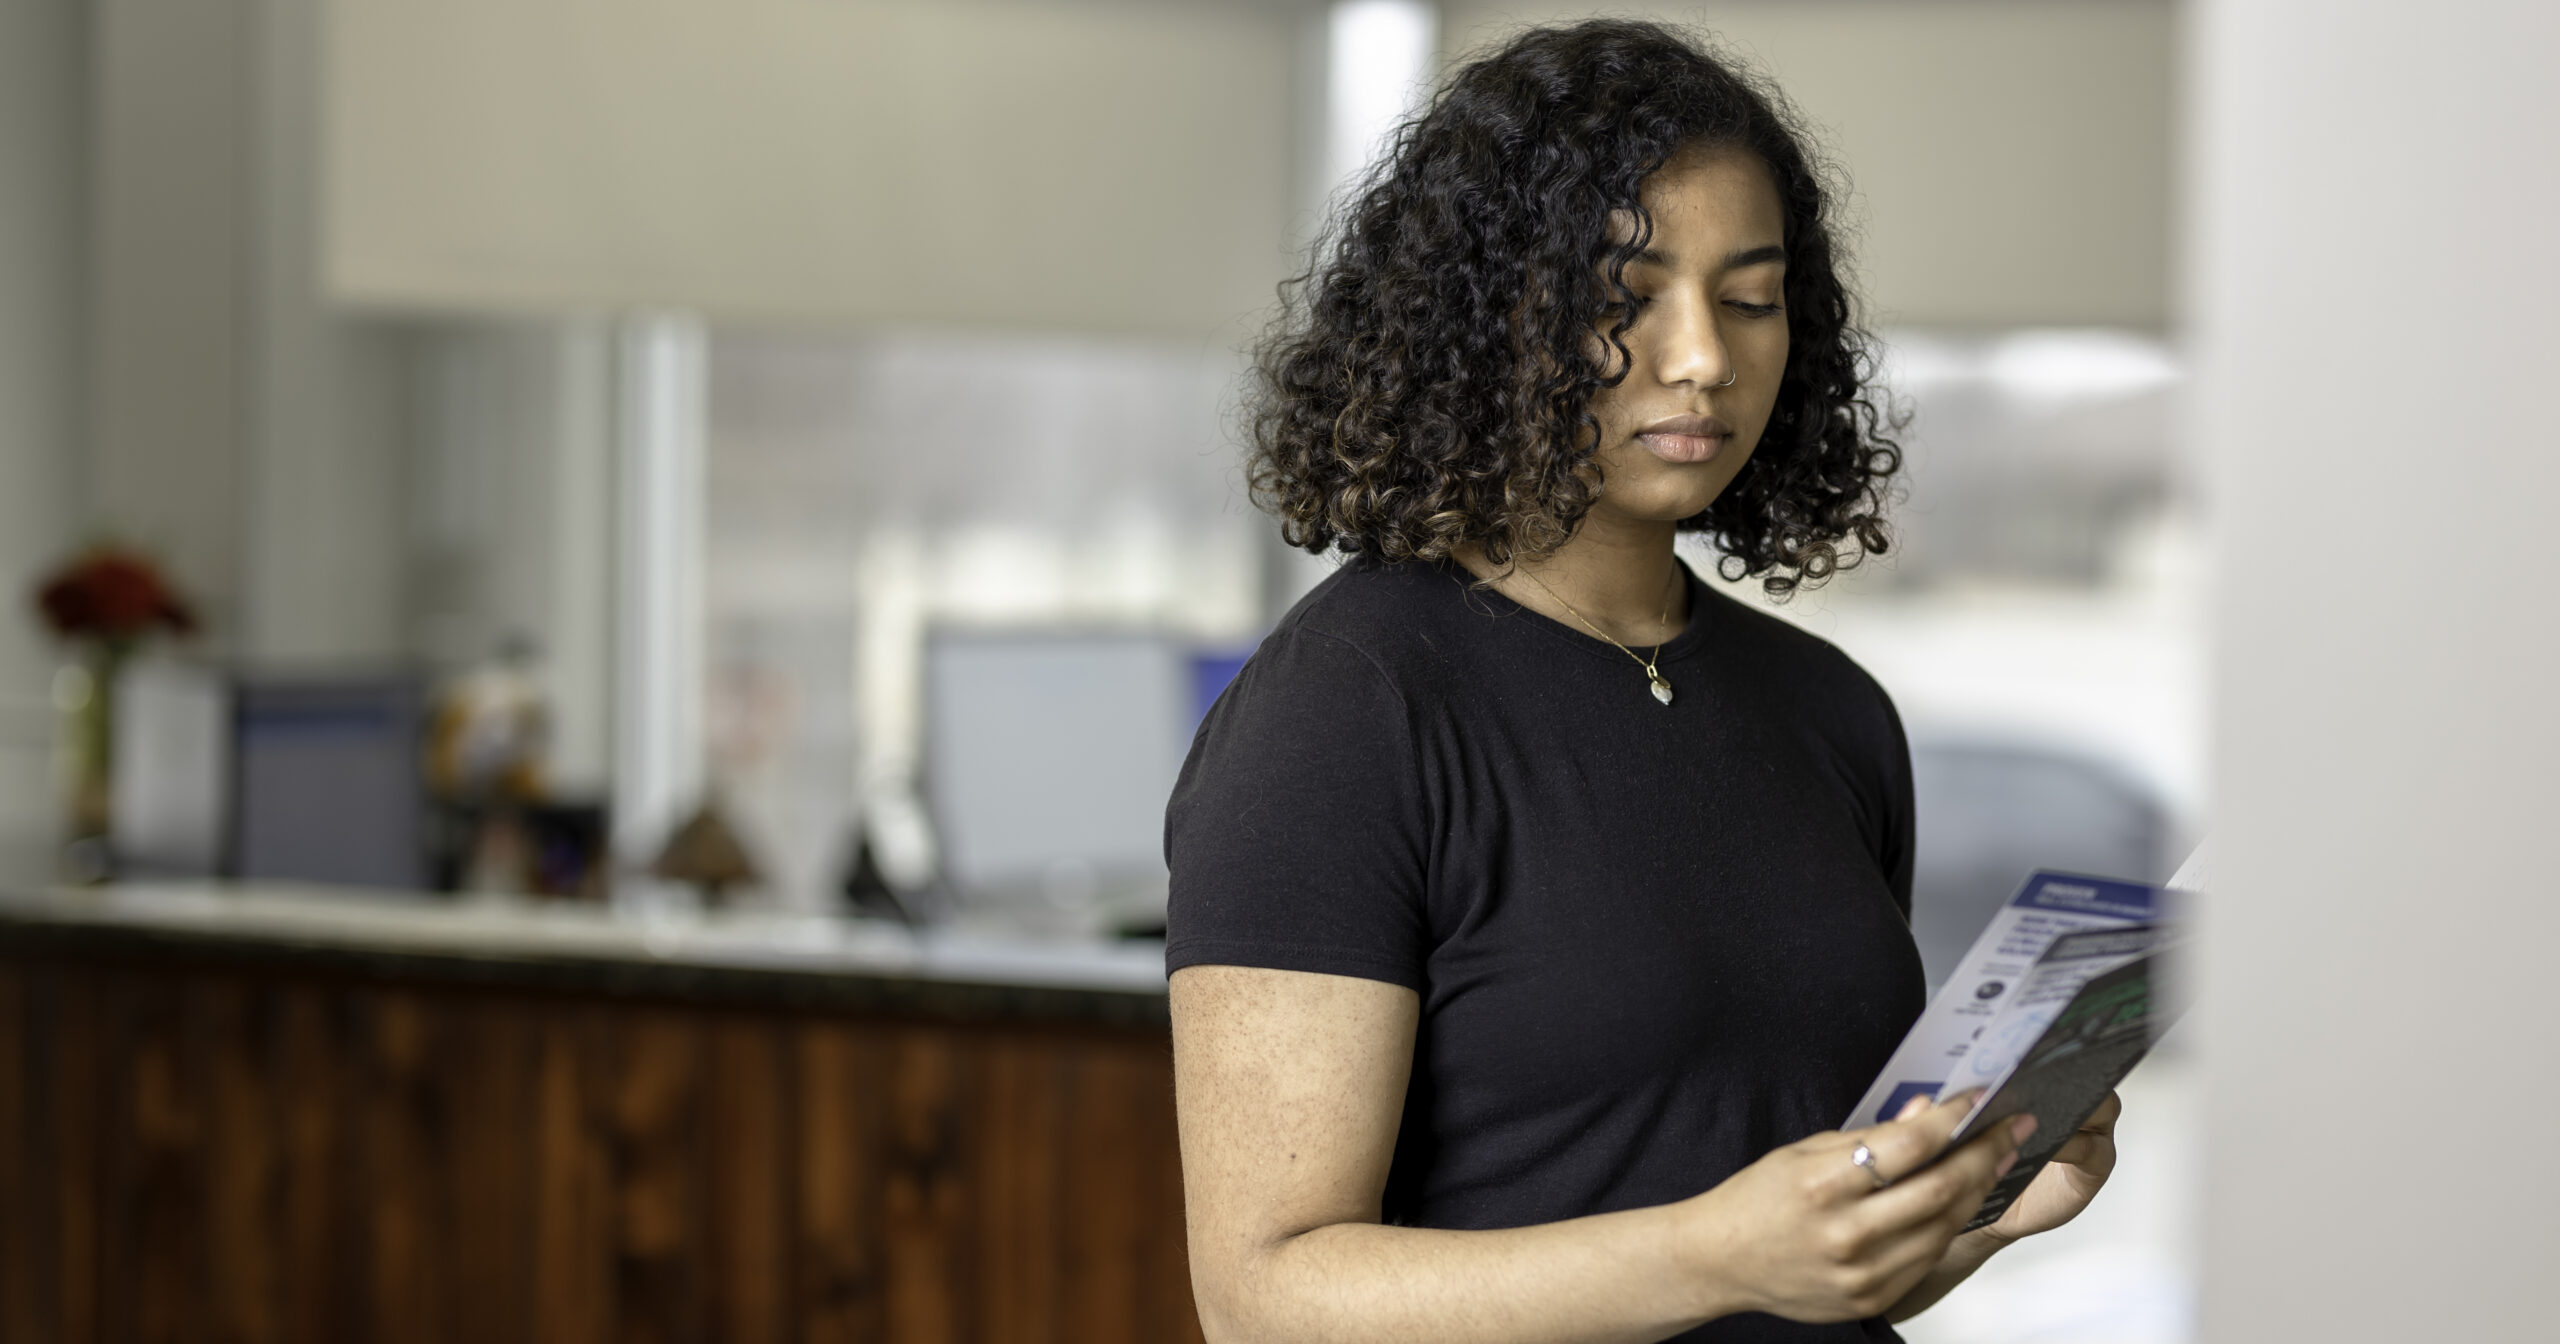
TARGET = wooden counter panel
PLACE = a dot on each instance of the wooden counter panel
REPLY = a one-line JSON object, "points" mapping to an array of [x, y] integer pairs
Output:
{"points": [[238, 1155]]}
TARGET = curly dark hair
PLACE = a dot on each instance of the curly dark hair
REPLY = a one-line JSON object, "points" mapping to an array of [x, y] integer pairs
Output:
{"points": [[1428, 383]]}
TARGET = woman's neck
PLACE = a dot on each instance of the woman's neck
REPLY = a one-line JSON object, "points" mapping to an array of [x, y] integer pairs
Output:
{"points": [[1620, 579]]}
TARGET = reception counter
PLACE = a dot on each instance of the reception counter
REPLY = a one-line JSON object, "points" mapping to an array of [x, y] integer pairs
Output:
{"points": [[271, 1114]]}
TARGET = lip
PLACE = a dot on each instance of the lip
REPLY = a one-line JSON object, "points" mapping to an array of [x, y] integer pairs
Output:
{"points": [[1685, 439]]}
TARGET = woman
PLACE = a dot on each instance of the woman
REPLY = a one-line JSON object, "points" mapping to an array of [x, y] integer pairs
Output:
{"points": [[1538, 912]]}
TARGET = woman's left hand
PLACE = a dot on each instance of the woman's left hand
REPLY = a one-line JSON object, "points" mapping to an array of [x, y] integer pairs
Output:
{"points": [[2068, 1182], [2056, 1196]]}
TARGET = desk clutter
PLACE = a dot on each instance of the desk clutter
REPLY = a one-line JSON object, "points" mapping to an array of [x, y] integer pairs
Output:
{"points": [[1047, 754]]}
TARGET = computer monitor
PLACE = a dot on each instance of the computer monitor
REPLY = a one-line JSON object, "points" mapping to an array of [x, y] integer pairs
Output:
{"points": [[1049, 754], [311, 778], [331, 780]]}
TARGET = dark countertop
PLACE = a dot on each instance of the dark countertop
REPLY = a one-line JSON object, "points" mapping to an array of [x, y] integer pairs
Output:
{"points": [[753, 959]]}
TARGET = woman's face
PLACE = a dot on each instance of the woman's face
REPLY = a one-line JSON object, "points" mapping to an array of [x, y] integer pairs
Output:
{"points": [[1710, 307]]}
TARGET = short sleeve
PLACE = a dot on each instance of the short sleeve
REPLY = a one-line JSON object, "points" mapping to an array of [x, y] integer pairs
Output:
{"points": [[1296, 833]]}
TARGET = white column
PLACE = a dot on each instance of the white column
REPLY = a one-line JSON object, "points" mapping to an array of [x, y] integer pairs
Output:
{"points": [[2372, 290], [1377, 69], [1373, 59], [658, 757]]}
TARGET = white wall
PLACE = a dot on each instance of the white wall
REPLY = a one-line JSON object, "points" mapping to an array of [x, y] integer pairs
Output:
{"points": [[1128, 165], [2374, 295], [170, 303], [43, 190], [322, 471], [2010, 158], [1106, 165], [240, 430]]}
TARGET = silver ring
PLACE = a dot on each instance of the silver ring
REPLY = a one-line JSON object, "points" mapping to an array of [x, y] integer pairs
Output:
{"points": [[1729, 377], [1864, 1159]]}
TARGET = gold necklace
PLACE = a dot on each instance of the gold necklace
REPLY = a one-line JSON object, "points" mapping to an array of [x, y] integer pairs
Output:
{"points": [[1652, 674]]}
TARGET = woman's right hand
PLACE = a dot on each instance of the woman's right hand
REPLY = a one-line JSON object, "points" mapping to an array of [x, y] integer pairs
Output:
{"points": [[1805, 1234]]}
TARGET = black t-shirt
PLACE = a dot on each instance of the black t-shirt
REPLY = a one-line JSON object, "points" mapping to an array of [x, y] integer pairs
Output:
{"points": [[1652, 943]]}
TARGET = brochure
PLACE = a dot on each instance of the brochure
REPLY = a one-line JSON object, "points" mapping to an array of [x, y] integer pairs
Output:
{"points": [[2086, 1045], [2047, 1012], [1931, 1059]]}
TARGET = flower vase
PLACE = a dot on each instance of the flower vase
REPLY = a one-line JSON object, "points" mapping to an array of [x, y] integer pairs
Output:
{"points": [[88, 704]]}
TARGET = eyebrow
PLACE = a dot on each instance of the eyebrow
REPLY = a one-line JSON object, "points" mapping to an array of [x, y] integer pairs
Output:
{"points": [[1733, 261]]}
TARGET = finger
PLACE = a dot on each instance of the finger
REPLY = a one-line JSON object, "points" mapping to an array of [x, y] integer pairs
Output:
{"points": [[2103, 1119], [2083, 1148], [1956, 1185], [1919, 1102], [1904, 1146], [2093, 1154]]}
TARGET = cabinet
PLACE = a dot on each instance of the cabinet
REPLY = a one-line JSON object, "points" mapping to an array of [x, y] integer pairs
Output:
{"points": [[218, 1149]]}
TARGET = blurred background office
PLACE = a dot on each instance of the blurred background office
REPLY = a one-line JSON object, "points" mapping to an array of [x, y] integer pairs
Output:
{"points": [[763, 475], [722, 372]]}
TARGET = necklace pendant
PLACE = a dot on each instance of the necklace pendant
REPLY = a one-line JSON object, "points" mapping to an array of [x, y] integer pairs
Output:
{"points": [[1661, 688]]}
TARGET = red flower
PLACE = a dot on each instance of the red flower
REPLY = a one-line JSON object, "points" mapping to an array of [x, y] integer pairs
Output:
{"points": [[113, 594]]}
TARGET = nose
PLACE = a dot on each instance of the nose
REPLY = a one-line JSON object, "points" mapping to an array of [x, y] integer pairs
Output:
{"points": [[1690, 350]]}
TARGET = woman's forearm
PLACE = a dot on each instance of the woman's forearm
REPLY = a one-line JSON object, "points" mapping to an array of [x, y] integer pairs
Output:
{"points": [[1289, 1085], [1611, 1278]]}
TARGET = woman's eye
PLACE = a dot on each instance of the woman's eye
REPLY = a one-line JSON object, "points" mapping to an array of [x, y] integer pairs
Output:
{"points": [[1755, 309], [1626, 311]]}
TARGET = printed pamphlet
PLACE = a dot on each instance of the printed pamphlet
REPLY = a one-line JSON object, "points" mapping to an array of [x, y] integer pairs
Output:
{"points": [[2048, 1011]]}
